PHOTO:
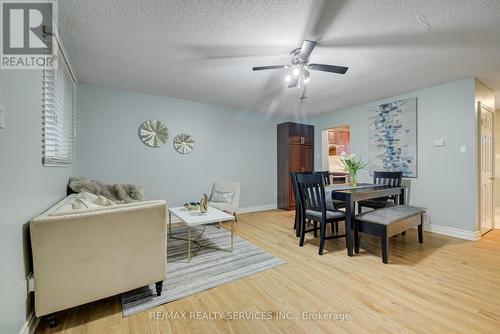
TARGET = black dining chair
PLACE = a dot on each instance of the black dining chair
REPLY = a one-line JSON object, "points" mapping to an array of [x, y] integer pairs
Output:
{"points": [[326, 176], [313, 206], [298, 211], [337, 204], [387, 178]]}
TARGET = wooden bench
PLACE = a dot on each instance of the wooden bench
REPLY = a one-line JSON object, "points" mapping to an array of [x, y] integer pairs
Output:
{"points": [[388, 222]]}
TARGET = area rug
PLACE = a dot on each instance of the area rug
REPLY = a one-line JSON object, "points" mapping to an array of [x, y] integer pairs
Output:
{"points": [[208, 269]]}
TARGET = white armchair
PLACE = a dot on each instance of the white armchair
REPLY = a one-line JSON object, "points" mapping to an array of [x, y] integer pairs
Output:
{"points": [[226, 197]]}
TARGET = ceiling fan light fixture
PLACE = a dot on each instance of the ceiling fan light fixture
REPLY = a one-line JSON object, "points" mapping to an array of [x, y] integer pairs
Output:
{"points": [[297, 74]]}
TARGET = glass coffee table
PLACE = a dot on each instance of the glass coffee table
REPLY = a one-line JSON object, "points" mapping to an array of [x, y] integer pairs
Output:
{"points": [[191, 219]]}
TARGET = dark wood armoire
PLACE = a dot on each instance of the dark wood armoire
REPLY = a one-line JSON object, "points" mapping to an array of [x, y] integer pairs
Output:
{"points": [[295, 154]]}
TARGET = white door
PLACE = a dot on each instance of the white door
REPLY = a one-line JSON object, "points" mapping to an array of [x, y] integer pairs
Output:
{"points": [[487, 176]]}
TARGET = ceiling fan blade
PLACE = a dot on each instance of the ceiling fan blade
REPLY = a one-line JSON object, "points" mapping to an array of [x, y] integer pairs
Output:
{"points": [[270, 67], [328, 68], [293, 82], [306, 49]]}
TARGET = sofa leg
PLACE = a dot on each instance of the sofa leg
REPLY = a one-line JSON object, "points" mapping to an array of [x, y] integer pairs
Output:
{"points": [[51, 320], [159, 287]]}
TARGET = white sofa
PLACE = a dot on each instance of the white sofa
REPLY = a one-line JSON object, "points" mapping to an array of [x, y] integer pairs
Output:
{"points": [[92, 254]]}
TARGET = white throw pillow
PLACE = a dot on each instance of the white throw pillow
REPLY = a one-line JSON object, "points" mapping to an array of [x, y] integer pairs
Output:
{"points": [[83, 201], [101, 200], [222, 197]]}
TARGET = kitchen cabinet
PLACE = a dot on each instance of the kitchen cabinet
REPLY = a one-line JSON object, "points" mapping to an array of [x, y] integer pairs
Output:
{"points": [[339, 140]]}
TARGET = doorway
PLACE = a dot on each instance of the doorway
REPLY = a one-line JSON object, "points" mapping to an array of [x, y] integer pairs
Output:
{"points": [[496, 182], [335, 141], [486, 168]]}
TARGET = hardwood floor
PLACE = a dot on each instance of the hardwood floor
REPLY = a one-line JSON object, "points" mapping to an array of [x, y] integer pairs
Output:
{"points": [[446, 285]]}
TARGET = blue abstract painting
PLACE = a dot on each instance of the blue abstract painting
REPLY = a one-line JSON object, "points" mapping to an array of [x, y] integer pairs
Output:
{"points": [[393, 137]]}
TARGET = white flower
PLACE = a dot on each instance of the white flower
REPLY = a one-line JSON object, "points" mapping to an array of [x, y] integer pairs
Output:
{"points": [[353, 156]]}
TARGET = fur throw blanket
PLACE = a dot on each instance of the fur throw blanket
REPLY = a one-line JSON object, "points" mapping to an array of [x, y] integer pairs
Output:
{"points": [[118, 193]]}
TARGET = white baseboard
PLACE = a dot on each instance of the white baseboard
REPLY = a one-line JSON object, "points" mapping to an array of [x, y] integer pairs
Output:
{"points": [[30, 325], [453, 232], [257, 208]]}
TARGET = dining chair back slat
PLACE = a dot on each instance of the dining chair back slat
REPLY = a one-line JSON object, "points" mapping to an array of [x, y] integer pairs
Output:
{"points": [[388, 178], [326, 176], [298, 201], [312, 192]]}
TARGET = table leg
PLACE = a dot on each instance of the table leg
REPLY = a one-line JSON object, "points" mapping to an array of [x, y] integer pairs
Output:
{"points": [[349, 220], [189, 243], [356, 233], [232, 224], [356, 237]]}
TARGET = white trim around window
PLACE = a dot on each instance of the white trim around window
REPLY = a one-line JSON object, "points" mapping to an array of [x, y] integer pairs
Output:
{"points": [[58, 113]]}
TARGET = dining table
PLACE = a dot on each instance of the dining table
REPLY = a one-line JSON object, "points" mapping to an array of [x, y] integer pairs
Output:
{"points": [[351, 194]]}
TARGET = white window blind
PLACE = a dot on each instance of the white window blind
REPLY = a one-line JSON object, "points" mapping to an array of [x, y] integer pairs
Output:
{"points": [[58, 114]]}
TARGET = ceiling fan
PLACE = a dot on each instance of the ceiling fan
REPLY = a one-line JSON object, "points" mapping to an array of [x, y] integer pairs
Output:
{"points": [[300, 66]]}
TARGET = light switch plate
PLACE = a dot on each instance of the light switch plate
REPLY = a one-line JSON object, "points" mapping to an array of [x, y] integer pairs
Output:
{"points": [[2, 117], [439, 142], [463, 149]]}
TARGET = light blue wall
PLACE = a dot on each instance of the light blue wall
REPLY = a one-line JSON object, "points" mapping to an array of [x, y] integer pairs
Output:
{"points": [[446, 178], [26, 189], [229, 145]]}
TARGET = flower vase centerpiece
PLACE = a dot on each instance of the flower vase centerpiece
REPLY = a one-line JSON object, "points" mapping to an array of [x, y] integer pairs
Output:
{"points": [[352, 166]]}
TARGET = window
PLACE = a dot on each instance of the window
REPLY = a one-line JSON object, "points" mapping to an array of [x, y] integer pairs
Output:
{"points": [[58, 115]]}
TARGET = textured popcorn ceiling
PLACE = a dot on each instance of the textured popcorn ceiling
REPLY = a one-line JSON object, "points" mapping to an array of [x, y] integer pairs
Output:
{"points": [[204, 50]]}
